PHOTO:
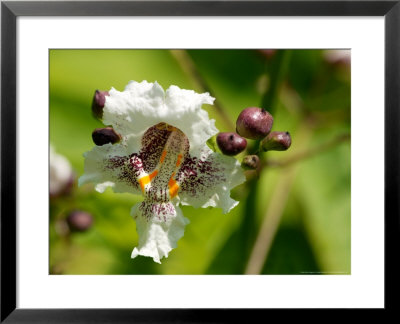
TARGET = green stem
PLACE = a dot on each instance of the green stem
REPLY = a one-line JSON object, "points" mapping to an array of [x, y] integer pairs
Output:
{"points": [[274, 212], [277, 73], [269, 102], [270, 224]]}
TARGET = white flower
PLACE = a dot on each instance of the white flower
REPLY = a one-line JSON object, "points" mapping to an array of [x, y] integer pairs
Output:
{"points": [[61, 174], [164, 157], [337, 56]]}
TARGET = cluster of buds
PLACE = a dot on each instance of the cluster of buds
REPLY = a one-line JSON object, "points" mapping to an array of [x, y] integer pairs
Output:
{"points": [[253, 123], [76, 221], [61, 185], [102, 136]]}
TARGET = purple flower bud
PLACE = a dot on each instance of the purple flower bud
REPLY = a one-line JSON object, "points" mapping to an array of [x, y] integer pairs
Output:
{"points": [[79, 221], [102, 136], [99, 99], [251, 162], [231, 143], [254, 123], [276, 141]]}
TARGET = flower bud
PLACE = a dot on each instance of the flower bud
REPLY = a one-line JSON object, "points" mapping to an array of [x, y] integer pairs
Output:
{"points": [[102, 136], [99, 99], [79, 221], [251, 162], [231, 143], [254, 123], [276, 141]]}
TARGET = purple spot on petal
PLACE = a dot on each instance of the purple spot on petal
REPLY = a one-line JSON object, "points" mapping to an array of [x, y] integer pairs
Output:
{"points": [[123, 170], [162, 211], [199, 175]]}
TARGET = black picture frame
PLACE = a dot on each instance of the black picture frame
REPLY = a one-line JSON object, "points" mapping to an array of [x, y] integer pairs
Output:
{"points": [[10, 10]]}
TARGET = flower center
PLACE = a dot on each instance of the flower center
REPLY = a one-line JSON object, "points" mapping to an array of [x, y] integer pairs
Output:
{"points": [[164, 148]]}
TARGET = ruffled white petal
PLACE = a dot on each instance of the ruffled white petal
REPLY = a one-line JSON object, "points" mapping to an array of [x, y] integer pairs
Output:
{"points": [[157, 235], [108, 166], [188, 115], [208, 180], [142, 105]]}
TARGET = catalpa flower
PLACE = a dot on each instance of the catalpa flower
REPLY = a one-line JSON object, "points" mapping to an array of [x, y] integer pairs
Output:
{"points": [[162, 156]]}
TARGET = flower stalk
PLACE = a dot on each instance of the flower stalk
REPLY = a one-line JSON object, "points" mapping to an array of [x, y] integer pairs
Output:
{"points": [[189, 67]]}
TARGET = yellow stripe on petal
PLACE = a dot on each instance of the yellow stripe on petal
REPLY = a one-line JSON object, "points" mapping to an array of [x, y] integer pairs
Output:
{"points": [[153, 174], [143, 181], [163, 155], [178, 162], [173, 187]]}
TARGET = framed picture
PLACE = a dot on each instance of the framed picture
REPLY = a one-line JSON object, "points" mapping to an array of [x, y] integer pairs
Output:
{"points": [[254, 153]]}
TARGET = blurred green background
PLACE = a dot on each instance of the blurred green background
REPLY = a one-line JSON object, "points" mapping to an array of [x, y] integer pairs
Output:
{"points": [[294, 218]]}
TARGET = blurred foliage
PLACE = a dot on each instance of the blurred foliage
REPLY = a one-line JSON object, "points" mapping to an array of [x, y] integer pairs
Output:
{"points": [[311, 100]]}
